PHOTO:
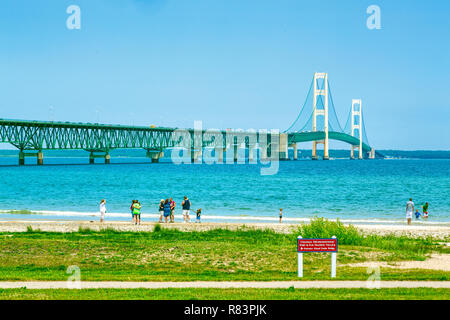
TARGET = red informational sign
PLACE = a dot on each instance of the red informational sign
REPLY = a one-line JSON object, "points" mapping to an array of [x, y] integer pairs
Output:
{"points": [[317, 245]]}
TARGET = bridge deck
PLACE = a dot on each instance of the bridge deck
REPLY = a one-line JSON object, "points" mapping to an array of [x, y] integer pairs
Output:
{"points": [[49, 135], [320, 135]]}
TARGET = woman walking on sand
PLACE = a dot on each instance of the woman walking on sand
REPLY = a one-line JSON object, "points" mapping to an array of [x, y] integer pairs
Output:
{"points": [[102, 210], [166, 210]]}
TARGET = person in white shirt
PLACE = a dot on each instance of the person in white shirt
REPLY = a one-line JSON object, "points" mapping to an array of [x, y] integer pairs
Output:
{"points": [[409, 210], [102, 210]]}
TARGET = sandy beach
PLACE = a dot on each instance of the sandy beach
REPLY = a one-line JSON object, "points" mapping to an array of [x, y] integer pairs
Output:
{"points": [[441, 232]]}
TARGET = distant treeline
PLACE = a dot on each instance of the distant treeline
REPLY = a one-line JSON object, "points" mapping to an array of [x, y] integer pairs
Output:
{"points": [[398, 154]]}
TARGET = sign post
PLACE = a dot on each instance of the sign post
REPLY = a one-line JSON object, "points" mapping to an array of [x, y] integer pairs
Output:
{"points": [[333, 260], [317, 245], [300, 261]]}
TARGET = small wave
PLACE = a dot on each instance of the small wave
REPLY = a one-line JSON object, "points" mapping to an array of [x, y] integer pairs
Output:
{"points": [[218, 217]]}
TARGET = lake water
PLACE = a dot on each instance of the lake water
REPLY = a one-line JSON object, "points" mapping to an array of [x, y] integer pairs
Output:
{"points": [[355, 191]]}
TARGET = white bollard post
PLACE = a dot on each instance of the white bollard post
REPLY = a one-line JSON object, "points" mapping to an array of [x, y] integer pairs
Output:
{"points": [[333, 262], [300, 261]]}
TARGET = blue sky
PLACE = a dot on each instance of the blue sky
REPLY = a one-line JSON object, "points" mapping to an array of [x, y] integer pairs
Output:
{"points": [[239, 64]]}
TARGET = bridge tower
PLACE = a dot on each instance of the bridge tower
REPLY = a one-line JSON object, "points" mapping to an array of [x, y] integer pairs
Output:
{"points": [[356, 114], [320, 112]]}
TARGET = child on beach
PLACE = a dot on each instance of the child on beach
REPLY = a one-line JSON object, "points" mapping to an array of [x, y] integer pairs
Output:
{"points": [[417, 214], [425, 210], [137, 212], [102, 210], [281, 214], [199, 213]]}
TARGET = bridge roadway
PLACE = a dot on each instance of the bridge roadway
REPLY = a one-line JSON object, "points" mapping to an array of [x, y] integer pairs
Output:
{"points": [[33, 137]]}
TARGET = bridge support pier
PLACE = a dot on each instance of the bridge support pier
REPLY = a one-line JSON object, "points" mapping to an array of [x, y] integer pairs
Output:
{"points": [[251, 151], [352, 152], [295, 150], [325, 150], [218, 153], [39, 156], [235, 153], [21, 158], [283, 151], [195, 155], [103, 155], [107, 158], [372, 154], [326, 156], [263, 150], [314, 151], [155, 155]]}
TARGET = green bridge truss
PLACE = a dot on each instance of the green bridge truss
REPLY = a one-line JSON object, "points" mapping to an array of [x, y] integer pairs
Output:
{"points": [[46, 135]]}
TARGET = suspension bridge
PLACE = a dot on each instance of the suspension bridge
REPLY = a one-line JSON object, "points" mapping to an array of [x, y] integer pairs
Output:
{"points": [[316, 122]]}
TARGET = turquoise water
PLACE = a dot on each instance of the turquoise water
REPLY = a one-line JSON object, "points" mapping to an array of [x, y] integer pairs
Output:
{"points": [[357, 191]]}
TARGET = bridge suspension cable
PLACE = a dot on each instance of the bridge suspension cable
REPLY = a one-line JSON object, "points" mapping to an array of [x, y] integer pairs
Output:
{"points": [[347, 127], [297, 120], [304, 120], [365, 139], [317, 121], [337, 127]]}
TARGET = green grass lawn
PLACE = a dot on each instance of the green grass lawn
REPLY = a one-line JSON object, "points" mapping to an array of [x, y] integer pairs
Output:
{"points": [[172, 255], [227, 294]]}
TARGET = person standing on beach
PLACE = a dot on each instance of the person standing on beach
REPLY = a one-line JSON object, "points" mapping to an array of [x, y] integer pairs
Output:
{"points": [[425, 210], [161, 210], [186, 205], [166, 210], [172, 210], [131, 208], [281, 214], [409, 210], [137, 212], [102, 210]]}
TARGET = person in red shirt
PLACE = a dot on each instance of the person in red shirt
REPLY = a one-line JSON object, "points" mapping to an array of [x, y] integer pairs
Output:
{"points": [[172, 210]]}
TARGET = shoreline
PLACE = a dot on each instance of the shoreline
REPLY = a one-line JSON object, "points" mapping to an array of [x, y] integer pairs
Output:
{"points": [[441, 232], [47, 215]]}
